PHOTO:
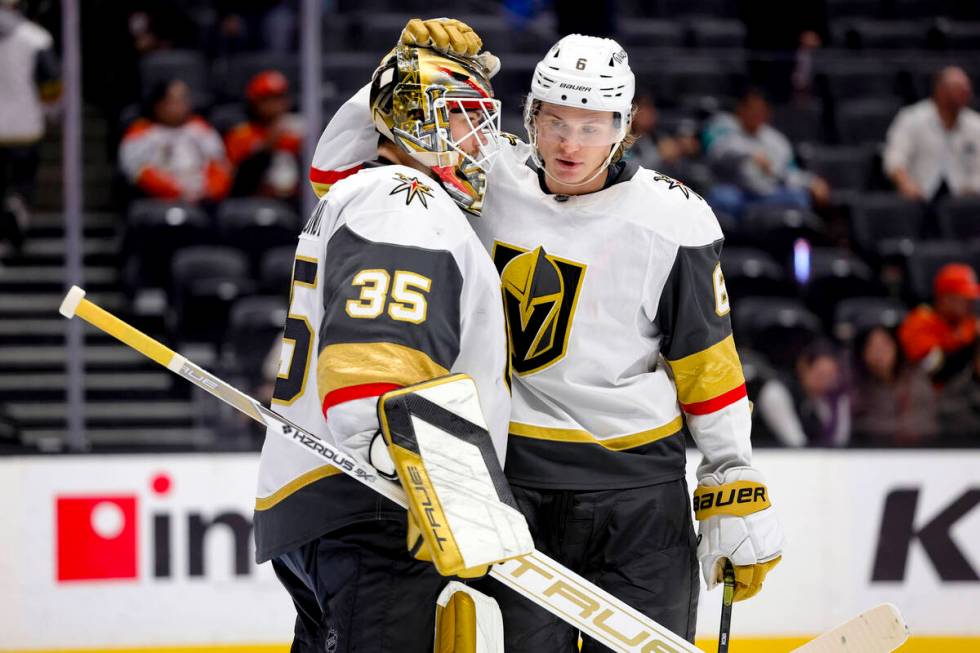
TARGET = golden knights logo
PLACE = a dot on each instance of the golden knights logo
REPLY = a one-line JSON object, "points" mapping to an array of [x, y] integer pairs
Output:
{"points": [[540, 293], [412, 188]]}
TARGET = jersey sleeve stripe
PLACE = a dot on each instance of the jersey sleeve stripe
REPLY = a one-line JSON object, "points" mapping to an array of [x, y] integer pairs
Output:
{"points": [[345, 365], [322, 180], [716, 404], [708, 374], [617, 443], [353, 392]]}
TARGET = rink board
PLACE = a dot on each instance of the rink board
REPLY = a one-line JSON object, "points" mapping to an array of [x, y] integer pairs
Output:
{"points": [[152, 553]]}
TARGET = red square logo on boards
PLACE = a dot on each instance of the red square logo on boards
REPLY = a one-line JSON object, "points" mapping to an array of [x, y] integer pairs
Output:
{"points": [[96, 537]]}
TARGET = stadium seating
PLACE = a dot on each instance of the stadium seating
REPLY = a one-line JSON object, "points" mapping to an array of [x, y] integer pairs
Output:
{"points": [[925, 260], [207, 280], [750, 271], [155, 229], [856, 314], [255, 225], [188, 66], [959, 218], [232, 74], [276, 271], [776, 325], [836, 274], [885, 224], [254, 325]]}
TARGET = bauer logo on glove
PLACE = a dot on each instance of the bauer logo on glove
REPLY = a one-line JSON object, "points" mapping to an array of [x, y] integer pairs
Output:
{"points": [[737, 523]]}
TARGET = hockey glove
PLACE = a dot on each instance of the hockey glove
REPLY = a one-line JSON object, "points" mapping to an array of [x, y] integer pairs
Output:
{"points": [[462, 515], [442, 34], [737, 522], [449, 36]]}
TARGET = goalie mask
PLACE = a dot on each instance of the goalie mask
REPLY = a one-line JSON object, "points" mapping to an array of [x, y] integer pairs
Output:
{"points": [[591, 76], [416, 94]]}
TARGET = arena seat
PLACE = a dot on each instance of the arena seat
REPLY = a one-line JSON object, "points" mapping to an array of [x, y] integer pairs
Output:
{"points": [[255, 225], [187, 65], [959, 218], [207, 280], [884, 224], [231, 75], [155, 229], [856, 314]]}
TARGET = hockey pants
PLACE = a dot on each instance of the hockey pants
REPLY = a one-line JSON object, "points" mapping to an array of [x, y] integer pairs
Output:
{"points": [[638, 544]]}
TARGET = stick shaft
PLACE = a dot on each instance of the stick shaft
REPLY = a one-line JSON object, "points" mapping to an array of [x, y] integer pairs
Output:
{"points": [[727, 598], [536, 576]]}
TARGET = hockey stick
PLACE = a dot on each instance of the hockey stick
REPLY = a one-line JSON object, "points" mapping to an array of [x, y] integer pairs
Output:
{"points": [[535, 576], [879, 630], [727, 597]]}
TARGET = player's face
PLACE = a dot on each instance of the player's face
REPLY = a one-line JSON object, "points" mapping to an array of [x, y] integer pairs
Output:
{"points": [[461, 126], [574, 143]]}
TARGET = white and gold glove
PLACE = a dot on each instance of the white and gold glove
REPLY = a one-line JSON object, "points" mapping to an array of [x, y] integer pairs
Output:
{"points": [[450, 36], [737, 522]]}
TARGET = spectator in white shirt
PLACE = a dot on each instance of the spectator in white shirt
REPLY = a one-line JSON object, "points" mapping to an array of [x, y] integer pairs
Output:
{"points": [[934, 145], [29, 81]]}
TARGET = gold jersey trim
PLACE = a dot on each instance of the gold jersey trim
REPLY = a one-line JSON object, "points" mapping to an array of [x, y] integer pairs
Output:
{"points": [[344, 365], [298, 483], [577, 436], [708, 373]]}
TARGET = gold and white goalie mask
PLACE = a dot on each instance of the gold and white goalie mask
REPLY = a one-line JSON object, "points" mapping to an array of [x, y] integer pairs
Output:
{"points": [[440, 110], [458, 497]]}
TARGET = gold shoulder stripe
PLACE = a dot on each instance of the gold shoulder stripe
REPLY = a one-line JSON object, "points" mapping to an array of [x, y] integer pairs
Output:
{"points": [[298, 483], [349, 364], [618, 443], [708, 373]]}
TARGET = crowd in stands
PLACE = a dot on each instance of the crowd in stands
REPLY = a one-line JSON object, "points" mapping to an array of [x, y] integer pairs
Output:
{"points": [[844, 171]]}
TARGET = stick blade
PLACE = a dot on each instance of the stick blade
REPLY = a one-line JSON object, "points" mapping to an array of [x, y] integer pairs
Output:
{"points": [[878, 630]]}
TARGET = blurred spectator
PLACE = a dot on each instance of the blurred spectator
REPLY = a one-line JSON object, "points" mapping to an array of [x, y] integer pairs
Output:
{"points": [[676, 155], [933, 146], [30, 80], [940, 337], [754, 162], [265, 150], [782, 37], [256, 25], [170, 153], [810, 406], [893, 402], [959, 405]]}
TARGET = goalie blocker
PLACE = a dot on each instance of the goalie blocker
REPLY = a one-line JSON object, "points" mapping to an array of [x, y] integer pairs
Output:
{"points": [[462, 515]]}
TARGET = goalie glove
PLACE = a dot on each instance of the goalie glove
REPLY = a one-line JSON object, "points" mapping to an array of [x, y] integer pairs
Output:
{"points": [[449, 36], [737, 522], [462, 515]]}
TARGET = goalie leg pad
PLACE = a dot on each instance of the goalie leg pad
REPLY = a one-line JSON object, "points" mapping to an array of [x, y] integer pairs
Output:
{"points": [[457, 493], [467, 621]]}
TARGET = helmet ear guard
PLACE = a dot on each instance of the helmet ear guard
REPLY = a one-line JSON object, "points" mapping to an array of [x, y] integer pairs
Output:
{"points": [[414, 94]]}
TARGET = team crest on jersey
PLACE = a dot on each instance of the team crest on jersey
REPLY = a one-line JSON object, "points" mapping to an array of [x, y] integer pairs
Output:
{"points": [[412, 188], [673, 183], [540, 294]]}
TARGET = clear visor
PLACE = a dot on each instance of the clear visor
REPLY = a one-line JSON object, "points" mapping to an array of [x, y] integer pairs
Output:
{"points": [[473, 129], [593, 128]]}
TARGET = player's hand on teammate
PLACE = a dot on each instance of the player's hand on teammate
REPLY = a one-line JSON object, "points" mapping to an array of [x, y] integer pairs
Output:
{"points": [[737, 522], [450, 36]]}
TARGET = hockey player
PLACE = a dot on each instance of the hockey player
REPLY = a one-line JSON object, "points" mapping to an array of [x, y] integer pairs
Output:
{"points": [[391, 288], [620, 338]]}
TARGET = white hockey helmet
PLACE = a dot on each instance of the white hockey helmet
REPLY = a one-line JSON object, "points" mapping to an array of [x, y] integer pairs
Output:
{"points": [[586, 72]]}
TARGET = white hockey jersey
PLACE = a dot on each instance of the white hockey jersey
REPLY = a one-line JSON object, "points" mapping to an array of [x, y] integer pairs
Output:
{"points": [[390, 287], [618, 323]]}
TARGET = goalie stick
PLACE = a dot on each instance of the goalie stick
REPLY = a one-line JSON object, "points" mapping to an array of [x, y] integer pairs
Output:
{"points": [[879, 630], [535, 576]]}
